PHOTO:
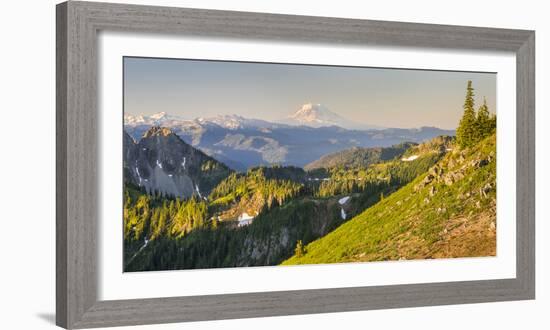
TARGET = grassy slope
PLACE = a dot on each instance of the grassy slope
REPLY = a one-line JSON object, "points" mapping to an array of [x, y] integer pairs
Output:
{"points": [[459, 220]]}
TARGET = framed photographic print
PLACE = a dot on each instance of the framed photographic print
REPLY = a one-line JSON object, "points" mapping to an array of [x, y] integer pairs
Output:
{"points": [[217, 165]]}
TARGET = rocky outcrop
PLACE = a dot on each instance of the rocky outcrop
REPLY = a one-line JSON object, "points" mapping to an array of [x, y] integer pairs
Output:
{"points": [[161, 162], [452, 170], [157, 131]]}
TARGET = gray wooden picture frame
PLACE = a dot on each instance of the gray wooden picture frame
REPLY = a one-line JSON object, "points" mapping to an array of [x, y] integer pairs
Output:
{"points": [[77, 191]]}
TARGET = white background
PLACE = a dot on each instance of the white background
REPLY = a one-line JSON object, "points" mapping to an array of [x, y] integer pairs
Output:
{"points": [[27, 78]]}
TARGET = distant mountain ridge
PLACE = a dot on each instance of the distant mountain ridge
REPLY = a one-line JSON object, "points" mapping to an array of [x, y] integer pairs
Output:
{"points": [[242, 143], [164, 119], [359, 157], [158, 119], [363, 157]]}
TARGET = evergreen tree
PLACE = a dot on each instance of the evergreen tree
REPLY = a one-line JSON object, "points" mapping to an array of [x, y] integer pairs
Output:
{"points": [[466, 131], [483, 122]]}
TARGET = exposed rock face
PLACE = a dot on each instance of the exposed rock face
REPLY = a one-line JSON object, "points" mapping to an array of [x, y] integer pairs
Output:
{"points": [[454, 170], [162, 162], [157, 131]]}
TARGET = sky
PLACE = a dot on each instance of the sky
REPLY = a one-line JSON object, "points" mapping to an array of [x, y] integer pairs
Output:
{"points": [[270, 91]]}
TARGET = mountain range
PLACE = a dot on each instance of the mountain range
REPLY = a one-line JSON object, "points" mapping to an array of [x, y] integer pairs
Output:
{"points": [[241, 143]]}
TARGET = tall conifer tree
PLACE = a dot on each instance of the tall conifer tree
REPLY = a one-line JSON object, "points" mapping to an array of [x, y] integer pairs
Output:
{"points": [[466, 131], [483, 122]]}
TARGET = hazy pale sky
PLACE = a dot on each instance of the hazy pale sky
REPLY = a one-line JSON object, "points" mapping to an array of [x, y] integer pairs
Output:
{"points": [[382, 97]]}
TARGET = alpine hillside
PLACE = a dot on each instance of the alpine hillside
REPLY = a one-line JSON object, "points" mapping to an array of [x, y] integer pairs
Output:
{"points": [[448, 212]]}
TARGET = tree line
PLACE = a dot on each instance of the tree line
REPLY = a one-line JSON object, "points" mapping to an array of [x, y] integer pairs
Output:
{"points": [[474, 125], [272, 189], [374, 178], [152, 216]]}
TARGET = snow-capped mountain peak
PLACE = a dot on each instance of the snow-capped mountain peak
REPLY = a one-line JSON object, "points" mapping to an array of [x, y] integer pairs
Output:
{"points": [[133, 120], [231, 122], [158, 115], [158, 118], [316, 115], [228, 121], [235, 122]]}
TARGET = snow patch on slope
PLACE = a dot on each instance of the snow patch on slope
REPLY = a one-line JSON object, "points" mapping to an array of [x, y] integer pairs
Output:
{"points": [[343, 200], [410, 158]]}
